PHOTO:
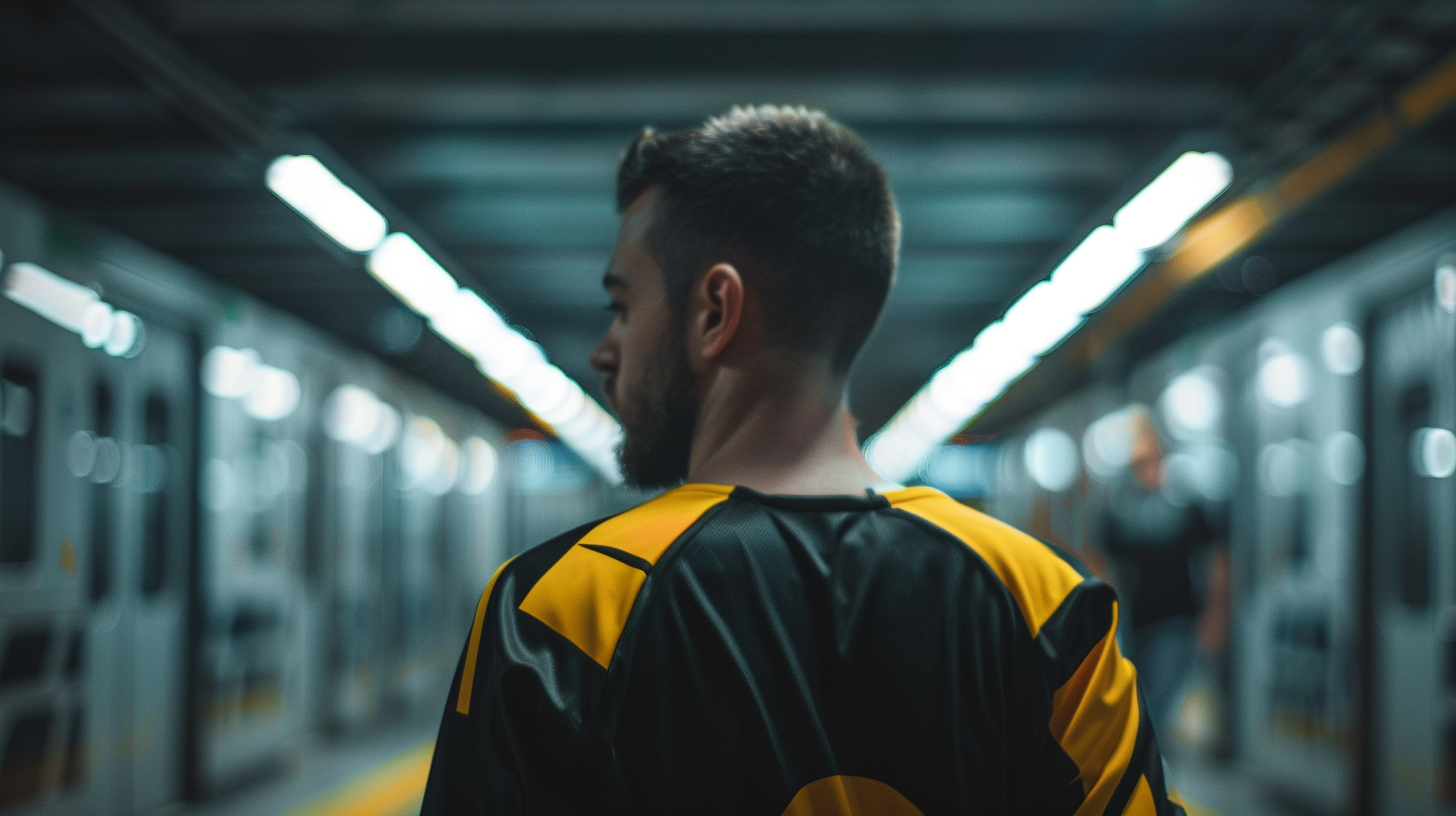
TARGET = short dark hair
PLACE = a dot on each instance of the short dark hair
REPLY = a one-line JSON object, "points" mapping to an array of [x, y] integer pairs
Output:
{"points": [[790, 197]]}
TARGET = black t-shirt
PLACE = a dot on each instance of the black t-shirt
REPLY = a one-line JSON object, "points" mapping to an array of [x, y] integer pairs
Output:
{"points": [[719, 651], [1155, 539]]}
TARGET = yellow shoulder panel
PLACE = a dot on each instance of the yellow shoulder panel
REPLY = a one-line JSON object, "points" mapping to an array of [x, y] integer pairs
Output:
{"points": [[586, 596], [1035, 576]]}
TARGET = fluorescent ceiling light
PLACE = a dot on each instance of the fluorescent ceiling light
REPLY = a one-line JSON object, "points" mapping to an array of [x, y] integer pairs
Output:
{"points": [[458, 315], [1046, 314], [1096, 269], [412, 275], [466, 321], [75, 308], [51, 296], [126, 336], [317, 194], [1162, 208]]}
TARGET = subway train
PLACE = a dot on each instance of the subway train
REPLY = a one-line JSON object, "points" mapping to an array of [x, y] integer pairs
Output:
{"points": [[224, 537], [1318, 424]]}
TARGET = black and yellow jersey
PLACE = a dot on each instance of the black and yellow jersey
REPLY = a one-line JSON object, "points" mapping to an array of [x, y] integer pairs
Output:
{"points": [[721, 651]]}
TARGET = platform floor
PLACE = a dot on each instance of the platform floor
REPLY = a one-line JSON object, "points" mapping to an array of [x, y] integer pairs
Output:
{"points": [[1211, 789], [384, 775], [381, 774]]}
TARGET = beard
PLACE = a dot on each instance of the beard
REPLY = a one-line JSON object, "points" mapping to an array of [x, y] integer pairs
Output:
{"points": [[659, 420]]}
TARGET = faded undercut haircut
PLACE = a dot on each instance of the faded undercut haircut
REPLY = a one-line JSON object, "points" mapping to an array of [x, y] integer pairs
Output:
{"points": [[793, 200]]}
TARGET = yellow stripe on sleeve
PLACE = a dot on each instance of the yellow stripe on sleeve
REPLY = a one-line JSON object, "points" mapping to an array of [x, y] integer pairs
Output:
{"points": [[1095, 720], [472, 649], [586, 596], [1035, 576]]}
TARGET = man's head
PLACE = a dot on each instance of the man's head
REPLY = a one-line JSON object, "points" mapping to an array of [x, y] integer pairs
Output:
{"points": [[766, 233], [1146, 455]]}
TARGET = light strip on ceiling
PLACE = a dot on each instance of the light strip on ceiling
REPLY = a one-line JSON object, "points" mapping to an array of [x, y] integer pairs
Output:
{"points": [[1046, 314], [75, 308], [459, 315], [306, 185]]}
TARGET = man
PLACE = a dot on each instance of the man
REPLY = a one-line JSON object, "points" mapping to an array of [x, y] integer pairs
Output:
{"points": [[783, 634], [1156, 533]]}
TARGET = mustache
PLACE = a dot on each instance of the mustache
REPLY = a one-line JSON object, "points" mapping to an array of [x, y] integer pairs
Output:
{"points": [[609, 390]]}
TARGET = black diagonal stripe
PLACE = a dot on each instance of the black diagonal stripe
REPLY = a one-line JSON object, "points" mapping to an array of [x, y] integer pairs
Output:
{"points": [[1144, 751], [621, 555], [1074, 630]]}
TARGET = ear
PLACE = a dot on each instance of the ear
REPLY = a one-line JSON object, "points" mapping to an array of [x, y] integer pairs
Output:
{"points": [[717, 311]]}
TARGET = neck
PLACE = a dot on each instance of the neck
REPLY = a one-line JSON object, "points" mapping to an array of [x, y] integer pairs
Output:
{"points": [[786, 434]]}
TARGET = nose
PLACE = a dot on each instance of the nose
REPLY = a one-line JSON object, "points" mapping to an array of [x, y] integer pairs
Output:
{"points": [[604, 357]]}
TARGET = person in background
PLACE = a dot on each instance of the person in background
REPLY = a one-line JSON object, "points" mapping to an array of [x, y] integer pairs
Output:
{"points": [[1172, 572]]}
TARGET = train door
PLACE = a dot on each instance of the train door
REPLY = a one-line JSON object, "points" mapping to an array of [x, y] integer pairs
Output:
{"points": [[150, 563], [1297, 542], [249, 667], [355, 640], [52, 758], [1413, 413]]}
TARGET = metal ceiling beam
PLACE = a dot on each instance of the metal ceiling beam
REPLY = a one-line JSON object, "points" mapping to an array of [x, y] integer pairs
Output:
{"points": [[208, 99], [870, 100], [192, 16], [446, 163]]}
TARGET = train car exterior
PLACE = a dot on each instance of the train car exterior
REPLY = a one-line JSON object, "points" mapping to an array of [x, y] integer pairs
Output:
{"points": [[1324, 419], [227, 539]]}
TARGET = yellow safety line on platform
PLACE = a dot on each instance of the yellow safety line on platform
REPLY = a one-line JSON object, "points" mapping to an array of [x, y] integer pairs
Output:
{"points": [[392, 789]]}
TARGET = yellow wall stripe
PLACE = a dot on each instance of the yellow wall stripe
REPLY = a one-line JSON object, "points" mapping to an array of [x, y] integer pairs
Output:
{"points": [[393, 789], [1426, 96], [1095, 720], [1036, 577], [472, 650], [587, 596]]}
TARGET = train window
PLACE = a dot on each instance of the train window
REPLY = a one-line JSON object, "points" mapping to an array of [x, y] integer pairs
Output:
{"points": [[19, 462], [1413, 559], [156, 490], [263, 538], [102, 475], [23, 765], [25, 655]]}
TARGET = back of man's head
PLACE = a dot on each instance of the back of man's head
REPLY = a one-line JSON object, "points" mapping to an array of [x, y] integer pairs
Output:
{"points": [[792, 199]]}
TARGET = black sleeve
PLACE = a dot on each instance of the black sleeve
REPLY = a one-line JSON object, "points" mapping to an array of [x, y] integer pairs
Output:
{"points": [[1098, 717], [475, 769], [512, 739]]}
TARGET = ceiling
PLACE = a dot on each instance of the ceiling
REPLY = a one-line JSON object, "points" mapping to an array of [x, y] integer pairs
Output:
{"points": [[491, 130]]}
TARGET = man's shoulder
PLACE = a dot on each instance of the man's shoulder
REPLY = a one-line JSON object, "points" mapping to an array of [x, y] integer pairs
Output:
{"points": [[583, 583], [1038, 577]]}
